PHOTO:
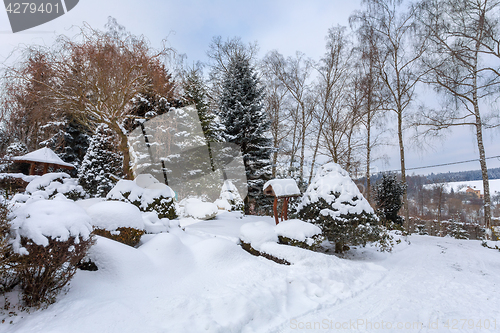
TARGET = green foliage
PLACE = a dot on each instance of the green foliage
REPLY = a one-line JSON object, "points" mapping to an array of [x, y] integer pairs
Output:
{"points": [[6, 277], [127, 236], [245, 124], [46, 270], [389, 198], [313, 245], [347, 229], [457, 230], [164, 207], [101, 159]]}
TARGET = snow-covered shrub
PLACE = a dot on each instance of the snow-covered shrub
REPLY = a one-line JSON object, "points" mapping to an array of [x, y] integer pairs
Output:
{"points": [[14, 149], [254, 235], [101, 159], [52, 184], [334, 202], [6, 276], [195, 208], [50, 237], [229, 193], [389, 198], [299, 233], [119, 221], [457, 230], [159, 200]]}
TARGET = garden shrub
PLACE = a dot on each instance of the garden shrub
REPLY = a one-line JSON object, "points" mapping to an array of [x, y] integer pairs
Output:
{"points": [[334, 203], [49, 239], [128, 236], [160, 200]]}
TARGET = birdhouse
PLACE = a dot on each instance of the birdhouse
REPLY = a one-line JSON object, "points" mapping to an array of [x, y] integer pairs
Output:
{"points": [[281, 189]]}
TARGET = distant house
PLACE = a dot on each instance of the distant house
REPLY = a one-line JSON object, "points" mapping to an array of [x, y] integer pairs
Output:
{"points": [[474, 192]]}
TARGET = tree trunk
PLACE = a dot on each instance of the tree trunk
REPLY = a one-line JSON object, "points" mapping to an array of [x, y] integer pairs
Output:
{"points": [[403, 168], [484, 168], [127, 172], [368, 194]]}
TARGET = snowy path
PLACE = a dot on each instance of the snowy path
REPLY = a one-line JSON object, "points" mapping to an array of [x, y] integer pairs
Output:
{"points": [[433, 285]]}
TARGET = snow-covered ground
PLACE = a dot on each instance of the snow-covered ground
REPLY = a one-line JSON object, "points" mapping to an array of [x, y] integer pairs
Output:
{"points": [[199, 280], [475, 184]]}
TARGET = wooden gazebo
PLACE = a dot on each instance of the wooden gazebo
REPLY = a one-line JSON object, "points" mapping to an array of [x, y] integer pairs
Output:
{"points": [[281, 189], [44, 157]]}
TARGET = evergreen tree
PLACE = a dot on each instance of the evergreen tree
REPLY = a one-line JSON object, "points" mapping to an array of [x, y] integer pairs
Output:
{"points": [[389, 198], [195, 94], [245, 124], [100, 160]]}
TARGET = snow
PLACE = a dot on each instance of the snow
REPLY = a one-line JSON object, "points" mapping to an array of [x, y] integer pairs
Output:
{"points": [[475, 184], [154, 225], [43, 155], [334, 185], [145, 180], [223, 204], [111, 215], [195, 208], [43, 219], [258, 233], [50, 184], [145, 195], [200, 280], [297, 229], [283, 187]]}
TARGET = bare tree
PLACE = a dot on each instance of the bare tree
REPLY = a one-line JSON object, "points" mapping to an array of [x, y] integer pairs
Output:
{"points": [[461, 34], [398, 61], [294, 74], [97, 74]]}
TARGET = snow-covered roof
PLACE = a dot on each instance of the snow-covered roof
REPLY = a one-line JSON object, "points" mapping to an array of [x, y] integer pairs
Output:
{"points": [[43, 155], [283, 187]]}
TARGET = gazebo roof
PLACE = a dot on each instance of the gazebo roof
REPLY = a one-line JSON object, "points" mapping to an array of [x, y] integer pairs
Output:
{"points": [[45, 156]]}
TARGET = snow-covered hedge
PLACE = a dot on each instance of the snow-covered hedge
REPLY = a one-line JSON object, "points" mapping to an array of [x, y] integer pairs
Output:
{"points": [[159, 199], [334, 203], [195, 208], [50, 237], [51, 185], [120, 221]]}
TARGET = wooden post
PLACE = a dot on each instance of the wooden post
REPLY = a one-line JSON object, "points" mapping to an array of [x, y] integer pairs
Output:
{"points": [[32, 168], [45, 168], [285, 208], [275, 210]]}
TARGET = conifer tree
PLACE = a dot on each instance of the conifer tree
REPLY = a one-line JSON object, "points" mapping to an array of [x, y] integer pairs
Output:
{"points": [[195, 93], [100, 160], [389, 198], [245, 124]]}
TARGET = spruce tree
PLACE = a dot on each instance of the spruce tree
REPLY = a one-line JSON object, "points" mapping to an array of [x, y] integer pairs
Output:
{"points": [[100, 160], [245, 124], [195, 94], [389, 198]]}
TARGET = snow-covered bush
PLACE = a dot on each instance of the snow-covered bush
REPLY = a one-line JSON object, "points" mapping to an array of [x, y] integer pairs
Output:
{"points": [[230, 197], [50, 237], [299, 233], [14, 149], [50, 185], [158, 198], [100, 160], [457, 230], [6, 277], [389, 198], [119, 221], [195, 208], [334, 202]]}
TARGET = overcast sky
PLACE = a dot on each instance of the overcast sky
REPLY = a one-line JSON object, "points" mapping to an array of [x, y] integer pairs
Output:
{"points": [[287, 26]]}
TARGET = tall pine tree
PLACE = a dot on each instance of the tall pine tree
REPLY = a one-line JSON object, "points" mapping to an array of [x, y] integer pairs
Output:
{"points": [[246, 124], [100, 160]]}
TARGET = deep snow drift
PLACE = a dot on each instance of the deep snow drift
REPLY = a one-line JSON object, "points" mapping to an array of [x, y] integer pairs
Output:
{"points": [[199, 280]]}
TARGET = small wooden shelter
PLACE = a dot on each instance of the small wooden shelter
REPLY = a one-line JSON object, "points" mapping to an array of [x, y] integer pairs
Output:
{"points": [[281, 189], [44, 157]]}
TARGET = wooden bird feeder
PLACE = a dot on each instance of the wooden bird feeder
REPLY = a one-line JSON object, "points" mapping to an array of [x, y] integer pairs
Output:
{"points": [[281, 189], [45, 157]]}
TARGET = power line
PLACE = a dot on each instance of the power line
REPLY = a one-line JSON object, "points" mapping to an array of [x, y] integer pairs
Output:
{"points": [[444, 164]]}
